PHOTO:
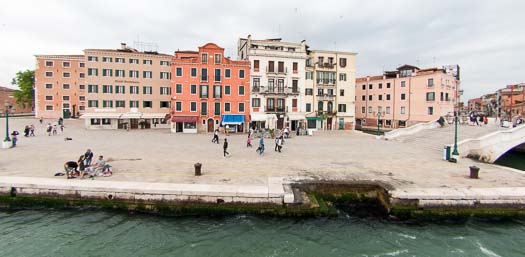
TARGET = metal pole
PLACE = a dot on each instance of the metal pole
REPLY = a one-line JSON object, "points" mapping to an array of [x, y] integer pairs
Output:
{"points": [[7, 124], [456, 117], [378, 116]]}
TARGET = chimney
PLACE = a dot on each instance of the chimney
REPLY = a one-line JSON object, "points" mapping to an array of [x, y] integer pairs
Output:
{"points": [[123, 46]]}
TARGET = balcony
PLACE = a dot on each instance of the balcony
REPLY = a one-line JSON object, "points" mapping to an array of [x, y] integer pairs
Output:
{"points": [[274, 109], [274, 71], [325, 97], [277, 91], [326, 65], [329, 113], [256, 89], [326, 82]]}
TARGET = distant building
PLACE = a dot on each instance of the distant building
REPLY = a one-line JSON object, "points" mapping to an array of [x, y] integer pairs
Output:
{"points": [[475, 105], [278, 81], [7, 97], [406, 96], [330, 90], [511, 101], [127, 88], [209, 91], [60, 86]]}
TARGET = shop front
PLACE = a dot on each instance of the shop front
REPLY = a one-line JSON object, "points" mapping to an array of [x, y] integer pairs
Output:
{"points": [[184, 124], [126, 121], [234, 122], [296, 120], [261, 121]]}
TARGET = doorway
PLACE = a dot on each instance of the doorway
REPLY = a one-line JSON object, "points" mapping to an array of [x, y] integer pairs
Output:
{"points": [[211, 126], [133, 123], [280, 123], [178, 127], [341, 123]]}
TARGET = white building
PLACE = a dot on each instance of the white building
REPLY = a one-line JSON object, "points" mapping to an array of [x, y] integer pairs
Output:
{"points": [[278, 81], [330, 90]]}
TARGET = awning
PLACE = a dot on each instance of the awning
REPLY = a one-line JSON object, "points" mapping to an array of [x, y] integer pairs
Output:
{"points": [[184, 119], [232, 119], [315, 118], [295, 116], [153, 115], [131, 115], [262, 117], [100, 115]]}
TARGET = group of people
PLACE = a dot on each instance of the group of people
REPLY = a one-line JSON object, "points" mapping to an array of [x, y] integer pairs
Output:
{"points": [[279, 141], [478, 119], [29, 131], [53, 129], [84, 166]]}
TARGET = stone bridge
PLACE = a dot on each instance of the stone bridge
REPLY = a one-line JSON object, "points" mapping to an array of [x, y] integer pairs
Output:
{"points": [[490, 147]]}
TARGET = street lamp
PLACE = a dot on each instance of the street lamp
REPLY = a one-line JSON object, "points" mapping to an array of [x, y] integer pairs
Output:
{"points": [[456, 118], [7, 139]]}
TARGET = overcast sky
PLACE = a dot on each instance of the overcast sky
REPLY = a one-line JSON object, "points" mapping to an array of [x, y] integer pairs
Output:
{"points": [[486, 38]]}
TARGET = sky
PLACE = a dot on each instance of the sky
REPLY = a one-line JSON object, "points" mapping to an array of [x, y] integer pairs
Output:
{"points": [[486, 38]]}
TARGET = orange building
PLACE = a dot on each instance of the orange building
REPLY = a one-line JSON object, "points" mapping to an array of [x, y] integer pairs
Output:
{"points": [[59, 86], [7, 97], [209, 91]]}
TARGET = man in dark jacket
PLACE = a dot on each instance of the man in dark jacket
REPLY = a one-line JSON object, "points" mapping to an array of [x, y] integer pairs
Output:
{"points": [[225, 147]]}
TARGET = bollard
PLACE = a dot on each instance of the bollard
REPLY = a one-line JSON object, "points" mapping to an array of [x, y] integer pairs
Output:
{"points": [[197, 166], [474, 172]]}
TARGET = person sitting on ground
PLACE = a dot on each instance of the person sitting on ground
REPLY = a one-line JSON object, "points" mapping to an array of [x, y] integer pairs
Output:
{"points": [[99, 165], [71, 168]]}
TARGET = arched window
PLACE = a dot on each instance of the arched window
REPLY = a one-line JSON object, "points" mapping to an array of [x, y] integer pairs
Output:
{"points": [[320, 106], [330, 106]]}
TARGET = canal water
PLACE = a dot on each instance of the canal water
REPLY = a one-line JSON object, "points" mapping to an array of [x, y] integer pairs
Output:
{"points": [[513, 159], [99, 233]]}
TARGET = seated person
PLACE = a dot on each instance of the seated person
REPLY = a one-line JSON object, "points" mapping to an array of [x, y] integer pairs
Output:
{"points": [[71, 168], [98, 167]]}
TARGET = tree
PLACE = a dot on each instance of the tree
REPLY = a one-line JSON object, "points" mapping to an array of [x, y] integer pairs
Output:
{"points": [[25, 95]]}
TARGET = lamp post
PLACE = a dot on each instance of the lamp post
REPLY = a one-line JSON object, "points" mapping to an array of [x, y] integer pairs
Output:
{"points": [[378, 118], [456, 118], [7, 139]]}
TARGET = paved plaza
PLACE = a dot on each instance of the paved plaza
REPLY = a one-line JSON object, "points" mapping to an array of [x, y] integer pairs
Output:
{"points": [[160, 156]]}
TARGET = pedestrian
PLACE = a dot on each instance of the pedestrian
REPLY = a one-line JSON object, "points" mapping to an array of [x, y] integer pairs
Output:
{"points": [[260, 149], [88, 157], [26, 131], [476, 120], [298, 131], [225, 147], [14, 138], [249, 141], [485, 120], [215, 137], [54, 129], [276, 144], [32, 129], [61, 128], [41, 120], [280, 144], [287, 132], [60, 121], [480, 120], [227, 130], [49, 128]]}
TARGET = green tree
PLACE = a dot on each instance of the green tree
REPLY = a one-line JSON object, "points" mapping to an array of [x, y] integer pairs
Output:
{"points": [[25, 95]]}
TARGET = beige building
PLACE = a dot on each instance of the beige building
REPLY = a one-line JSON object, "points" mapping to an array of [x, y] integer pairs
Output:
{"points": [[330, 90], [127, 88], [60, 90]]}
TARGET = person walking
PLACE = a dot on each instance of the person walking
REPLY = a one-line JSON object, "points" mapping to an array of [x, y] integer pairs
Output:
{"points": [[26, 131], [32, 129], [225, 147], [61, 128], [260, 149], [54, 129], [14, 138], [88, 157], [215, 137], [227, 130], [280, 143], [249, 141], [49, 128], [41, 120]]}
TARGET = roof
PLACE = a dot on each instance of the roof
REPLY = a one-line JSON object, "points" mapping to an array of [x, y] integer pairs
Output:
{"points": [[130, 51], [60, 56], [332, 52], [407, 66], [6, 89]]}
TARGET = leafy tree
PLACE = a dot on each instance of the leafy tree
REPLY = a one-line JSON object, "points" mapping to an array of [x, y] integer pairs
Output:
{"points": [[25, 94]]}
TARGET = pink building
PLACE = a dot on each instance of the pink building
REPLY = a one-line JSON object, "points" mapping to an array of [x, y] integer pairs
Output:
{"points": [[406, 96]]}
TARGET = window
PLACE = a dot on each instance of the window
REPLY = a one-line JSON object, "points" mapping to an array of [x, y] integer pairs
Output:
{"points": [[93, 103], [227, 107], [120, 89], [147, 62], [388, 85], [271, 86], [217, 76], [120, 60], [107, 59], [193, 106], [134, 61], [342, 62], [66, 74], [387, 111], [369, 97], [256, 102], [147, 104], [217, 58], [320, 60], [193, 72], [82, 98], [241, 90], [178, 89], [380, 85], [81, 65], [82, 75], [295, 86], [294, 103], [81, 87], [403, 96], [363, 98], [280, 85], [49, 86], [49, 63], [120, 103], [49, 98], [134, 104], [147, 74], [217, 91], [294, 67], [430, 110], [364, 87], [217, 109], [106, 121], [256, 65], [107, 73], [280, 67], [92, 88], [342, 76], [402, 83], [370, 86], [66, 86], [95, 121], [402, 110], [134, 74], [341, 108], [107, 104], [270, 66], [66, 64], [309, 91], [178, 106], [165, 90], [204, 74], [147, 90], [430, 82], [446, 97], [204, 58], [164, 63], [164, 104], [270, 104], [308, 107], [204, 91], [388, 97], [370, 110], [309, 75], [92, 59], [178, 71], [204, 108], [380, 97], [81, 108], [92, 72], [193, 89], [363, 109], [241, 107], [241, 74], [320, 106], [430, 96], [134, 90], [441, 96], [227, 90], [165, 75], [107, 89]]}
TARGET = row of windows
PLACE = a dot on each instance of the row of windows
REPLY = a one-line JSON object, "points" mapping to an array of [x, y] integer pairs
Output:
{"points": [[402, 110], [65, 86], [322, 79], [134, 90], [430, 83], [179, 107], [65, 98], [217, 90], [64, 64], [430, 96], [49, 107], [271, 66], [122, 104], [217, 75], [131, 73], [123, 60], [49, 74]]}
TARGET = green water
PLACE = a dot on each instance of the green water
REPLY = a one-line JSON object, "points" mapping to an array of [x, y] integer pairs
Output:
{"points": [[513, 159], [98, 233]]}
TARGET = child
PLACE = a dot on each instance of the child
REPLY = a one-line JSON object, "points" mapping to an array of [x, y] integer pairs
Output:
{"points": [[249, 141]]}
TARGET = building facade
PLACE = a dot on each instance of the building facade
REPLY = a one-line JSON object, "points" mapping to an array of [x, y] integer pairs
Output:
{"points": [[7, 98], [127, 88], [330, 90], [209, 91], [277, 82], [406, 97], [511, 101], [60, 89]]}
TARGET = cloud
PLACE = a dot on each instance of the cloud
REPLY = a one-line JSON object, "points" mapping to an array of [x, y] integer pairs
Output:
{"points": [[483, 37]]}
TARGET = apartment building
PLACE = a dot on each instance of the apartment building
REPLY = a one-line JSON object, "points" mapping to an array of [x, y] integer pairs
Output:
{"points": [[330, 90], [406, 96], [209, 91], [127, 88], [277, 82], [60, 89], [511, 101]]}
